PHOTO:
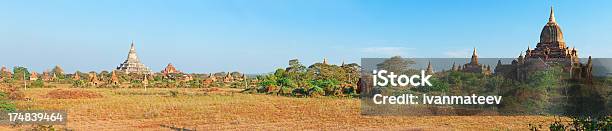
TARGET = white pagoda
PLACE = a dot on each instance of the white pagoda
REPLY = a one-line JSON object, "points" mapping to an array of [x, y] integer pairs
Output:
{"points": [[132, 64]]}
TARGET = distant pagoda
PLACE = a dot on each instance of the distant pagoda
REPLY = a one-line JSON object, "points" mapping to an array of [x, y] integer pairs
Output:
{"points": [[132, 63], [170, 69]]}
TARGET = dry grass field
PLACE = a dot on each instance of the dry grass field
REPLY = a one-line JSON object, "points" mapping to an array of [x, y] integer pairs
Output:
{"points": [[226, 109]]}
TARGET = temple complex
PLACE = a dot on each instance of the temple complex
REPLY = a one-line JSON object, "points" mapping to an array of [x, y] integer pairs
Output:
{"points": [[132, 63], [93, 79], [33, 76], [228, 78], [473, 66], [76, 76], [170, 69], [232, 78], [47, 76], [186, 77], [551, 50], [211, 78]]}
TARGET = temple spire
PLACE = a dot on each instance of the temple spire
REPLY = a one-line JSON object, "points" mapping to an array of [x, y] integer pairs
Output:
{"points": [[132, 48], [474, 59], [132, 63], [551, 19], [429, 68]]}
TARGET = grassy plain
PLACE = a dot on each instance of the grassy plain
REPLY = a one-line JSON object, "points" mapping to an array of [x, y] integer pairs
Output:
{"points": [[227, 109]]}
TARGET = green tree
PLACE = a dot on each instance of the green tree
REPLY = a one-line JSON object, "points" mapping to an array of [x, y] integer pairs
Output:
{"points": [[295, 66], [316, 79], [319, 71], [280, 73], [38, 83], [352, 73], [21, 73], [297, 72], [396, 64]]}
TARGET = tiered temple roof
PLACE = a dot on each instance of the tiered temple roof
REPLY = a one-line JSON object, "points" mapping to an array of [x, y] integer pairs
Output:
{"points": [[551, 49], [170, 69], [552, 45], [473, 66], [114, 78], [33, 76], [132, 64]]}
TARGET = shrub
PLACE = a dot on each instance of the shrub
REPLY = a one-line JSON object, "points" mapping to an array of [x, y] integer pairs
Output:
{"points": [[316, 91], [5, 104], [250, 90], [37, 84], [285, 91], [578, 124], [299, 92]]}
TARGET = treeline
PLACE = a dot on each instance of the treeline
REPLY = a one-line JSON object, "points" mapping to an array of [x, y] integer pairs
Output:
{"points": [[319, 79]]}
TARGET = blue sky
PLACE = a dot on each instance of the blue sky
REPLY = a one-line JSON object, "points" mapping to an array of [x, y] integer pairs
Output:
{"points": [[257, 36]]}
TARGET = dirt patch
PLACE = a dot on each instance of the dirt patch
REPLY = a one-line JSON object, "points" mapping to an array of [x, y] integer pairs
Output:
{"points": [[71, 94], [214, 89], [12, 92], [221, 91]]}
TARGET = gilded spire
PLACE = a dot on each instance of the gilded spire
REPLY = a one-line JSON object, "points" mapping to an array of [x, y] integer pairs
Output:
{"points": [[551, 19], [474, 57]]}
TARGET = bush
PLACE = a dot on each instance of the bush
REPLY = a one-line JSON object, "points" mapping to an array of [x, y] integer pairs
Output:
{"points": [[5, 104], [250, 90], [578, 124], [285, 91], [299, 92], [316, 91], [37, 84]]}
